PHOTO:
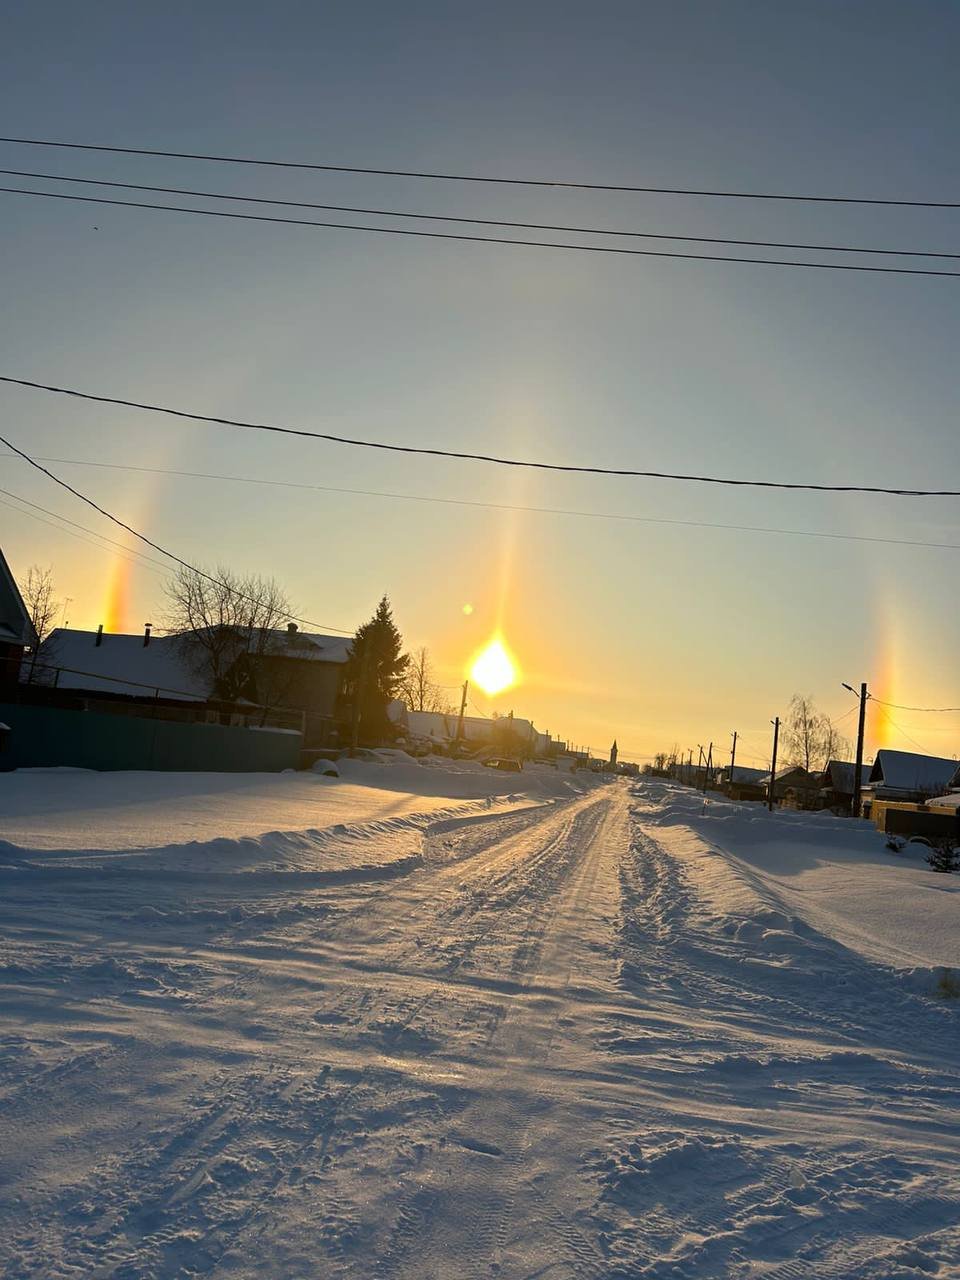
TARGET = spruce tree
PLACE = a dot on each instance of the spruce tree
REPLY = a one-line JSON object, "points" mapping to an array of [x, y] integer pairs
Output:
{"points": [[944, 857], [373, 673]]}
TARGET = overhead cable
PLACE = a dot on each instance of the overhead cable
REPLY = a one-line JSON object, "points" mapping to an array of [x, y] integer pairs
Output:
{"points": [[503, 506], [482, 222], [439, 176], [565, 245], [156, 545], [568, 468]]}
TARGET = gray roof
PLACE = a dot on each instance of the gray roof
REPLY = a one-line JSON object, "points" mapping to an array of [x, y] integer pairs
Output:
{"points": [[124, 664], [743, 774], [15, 624], [909, 771], [839, 775]]}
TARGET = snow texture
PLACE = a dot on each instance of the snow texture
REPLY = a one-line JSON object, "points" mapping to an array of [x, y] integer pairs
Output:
{"points": [[409, 1024]]}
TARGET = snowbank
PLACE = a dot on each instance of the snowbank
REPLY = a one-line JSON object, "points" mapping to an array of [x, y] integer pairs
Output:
{"points": [[81, 809], [833, 873]]}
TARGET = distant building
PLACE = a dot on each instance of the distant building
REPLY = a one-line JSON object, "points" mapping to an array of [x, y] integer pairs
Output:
{"points": [[16, 629]]}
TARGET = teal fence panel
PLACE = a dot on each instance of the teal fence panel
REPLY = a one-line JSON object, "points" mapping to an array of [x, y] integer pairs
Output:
{"points": [[45, 737]]}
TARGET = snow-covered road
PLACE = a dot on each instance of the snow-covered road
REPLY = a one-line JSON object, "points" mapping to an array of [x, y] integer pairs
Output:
{"points": [[563, 1043]]}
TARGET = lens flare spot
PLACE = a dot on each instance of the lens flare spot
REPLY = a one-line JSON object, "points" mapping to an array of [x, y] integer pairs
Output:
{"points": [[493, 669], [468, 609]]}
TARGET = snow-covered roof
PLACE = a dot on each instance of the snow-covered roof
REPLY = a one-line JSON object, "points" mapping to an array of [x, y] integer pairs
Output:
{"points": [[789, 773], [15, 624], [909, 771], [949, 801], [122, 664], [839, 776], [309, 646], [741, 773]]}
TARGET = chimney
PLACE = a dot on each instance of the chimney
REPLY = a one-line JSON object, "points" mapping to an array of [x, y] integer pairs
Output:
{"points": [[291, 628], [99, 640], [146, 633]]}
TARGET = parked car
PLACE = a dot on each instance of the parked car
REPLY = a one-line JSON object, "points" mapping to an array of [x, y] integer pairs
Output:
{"points": [[508, 766]]}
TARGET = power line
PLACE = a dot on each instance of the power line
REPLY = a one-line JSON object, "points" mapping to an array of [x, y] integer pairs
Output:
{"points": [[846, 715], [897, 707], [506, 506], [483, 222], [457, 235], [476, 457], [147, 560], [79, 536], [465, 177], [156, 545], [902, 733]]}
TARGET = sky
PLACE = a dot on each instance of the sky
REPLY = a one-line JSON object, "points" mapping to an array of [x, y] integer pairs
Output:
{"points": [[652, 628]]}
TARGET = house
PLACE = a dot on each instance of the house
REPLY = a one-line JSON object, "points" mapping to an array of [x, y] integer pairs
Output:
{"points": [[296, 671], [793, 787], [441, 729], [835, 785], [741, 783], [16, 629], [909, 776]]}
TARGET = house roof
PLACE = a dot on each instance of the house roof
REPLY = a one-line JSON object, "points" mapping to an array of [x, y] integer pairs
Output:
{"points": [[790, 772], [122, 664], [839, 776], [312, 646], [741, 773], [909, 771], [15, 624], [949, 801], [309, 646]]}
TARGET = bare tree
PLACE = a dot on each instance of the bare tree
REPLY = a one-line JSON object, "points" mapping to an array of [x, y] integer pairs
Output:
{"points": [[833, 745], [801, 732], [810, 739], [38, 595], [418, 688], [228, 628]]}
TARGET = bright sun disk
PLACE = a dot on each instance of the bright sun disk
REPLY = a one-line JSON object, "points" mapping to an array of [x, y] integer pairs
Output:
{"points": [[493, 668]]}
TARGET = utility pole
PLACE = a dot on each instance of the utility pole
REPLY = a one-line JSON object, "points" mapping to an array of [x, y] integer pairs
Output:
{"points": [[858, 767], [733, 757], [689, 766], [357, 702], [707, 767], [699, 759], [773, 766], [463, 707]]}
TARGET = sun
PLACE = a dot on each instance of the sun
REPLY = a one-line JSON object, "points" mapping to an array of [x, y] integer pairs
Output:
{"points": [[493, 668]]}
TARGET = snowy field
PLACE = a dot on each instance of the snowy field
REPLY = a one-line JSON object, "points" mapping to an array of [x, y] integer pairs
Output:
{"points": [[440, 1022]]}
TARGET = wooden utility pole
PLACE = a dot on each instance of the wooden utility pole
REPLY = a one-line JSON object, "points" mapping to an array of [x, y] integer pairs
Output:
{"points": [[773, 766], [463, 707], [708, 765], [733, 756], [689, 765], [358, 702], [858, 767]]}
